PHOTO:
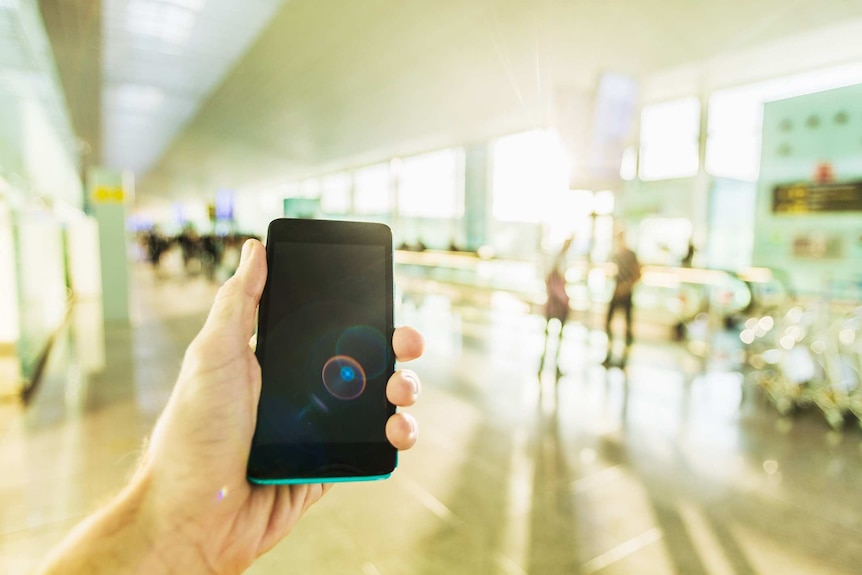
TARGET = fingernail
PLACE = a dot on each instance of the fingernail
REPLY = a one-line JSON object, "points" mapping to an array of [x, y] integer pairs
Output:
{"points": [[414, 431], [246, 250], [414, 383]]}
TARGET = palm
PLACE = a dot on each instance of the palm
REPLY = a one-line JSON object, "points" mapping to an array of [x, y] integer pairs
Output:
{"points": [[206, 473], [199, 451], [190, 508]]}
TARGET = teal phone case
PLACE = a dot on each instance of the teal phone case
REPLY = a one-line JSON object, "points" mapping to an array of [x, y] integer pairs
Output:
{"points": [[303, 480]]}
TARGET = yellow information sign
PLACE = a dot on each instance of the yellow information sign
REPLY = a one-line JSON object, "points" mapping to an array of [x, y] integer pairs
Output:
{"points": [[109, 195]]}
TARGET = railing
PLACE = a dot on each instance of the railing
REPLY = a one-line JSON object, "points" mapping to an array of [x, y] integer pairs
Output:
{"points": [[666, 299]]}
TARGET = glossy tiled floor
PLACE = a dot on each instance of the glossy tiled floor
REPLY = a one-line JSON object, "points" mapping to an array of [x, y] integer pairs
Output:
{"points": [[654, 471]]}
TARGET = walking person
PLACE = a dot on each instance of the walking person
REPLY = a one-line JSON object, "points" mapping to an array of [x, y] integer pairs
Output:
{"points": [[628, 272], [557, 304]]}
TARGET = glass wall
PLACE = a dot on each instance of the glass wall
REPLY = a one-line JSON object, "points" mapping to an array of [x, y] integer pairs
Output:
{"points": [[372, 190], [335, 190], [529, 171], [432, 185], [669, 139]]}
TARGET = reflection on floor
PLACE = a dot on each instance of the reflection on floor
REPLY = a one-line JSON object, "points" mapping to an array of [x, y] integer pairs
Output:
{"points": [[655, 470]]}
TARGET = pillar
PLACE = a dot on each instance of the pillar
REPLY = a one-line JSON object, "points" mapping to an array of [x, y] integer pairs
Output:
{"points": [[477, 194], [110, 193]]}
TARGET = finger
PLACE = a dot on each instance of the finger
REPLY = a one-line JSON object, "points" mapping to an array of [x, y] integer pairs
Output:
{"points": [[236, 302], [403, 388], [407, 343], [402, 431]]}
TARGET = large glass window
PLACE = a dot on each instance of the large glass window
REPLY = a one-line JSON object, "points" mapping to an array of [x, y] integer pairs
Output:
{"points": [[271, 203], [584, 214], [372, 191], [431, 185], [570, 211], [308, 188], [335, 193], [287, 190], [530, 170], [629, 164], [669, 139]]}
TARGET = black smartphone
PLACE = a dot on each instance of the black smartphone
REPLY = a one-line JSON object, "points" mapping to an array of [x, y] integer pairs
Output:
{"points": [[324, 344]]}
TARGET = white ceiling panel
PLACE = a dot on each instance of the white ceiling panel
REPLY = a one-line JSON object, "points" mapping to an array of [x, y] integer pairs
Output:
{"points": [[161, 60], [27, 69], [332, 83]]}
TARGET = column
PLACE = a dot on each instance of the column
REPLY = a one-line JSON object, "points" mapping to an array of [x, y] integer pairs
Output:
{"points": [[702, 182], [477, 194], [109, 194]]}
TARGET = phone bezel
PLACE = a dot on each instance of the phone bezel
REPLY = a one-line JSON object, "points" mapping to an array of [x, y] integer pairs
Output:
{"points": [[293, 462]]}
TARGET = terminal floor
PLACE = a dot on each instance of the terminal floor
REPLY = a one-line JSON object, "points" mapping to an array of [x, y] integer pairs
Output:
{"points": [[652, 471]]}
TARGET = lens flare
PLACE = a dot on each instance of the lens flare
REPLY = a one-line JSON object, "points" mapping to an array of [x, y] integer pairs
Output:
{"points": [[319, 403], [343, 377], [367, 346]]}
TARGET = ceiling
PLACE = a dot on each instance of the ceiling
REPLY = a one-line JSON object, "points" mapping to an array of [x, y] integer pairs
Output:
{"points": [[27, 70], [264, 89]]}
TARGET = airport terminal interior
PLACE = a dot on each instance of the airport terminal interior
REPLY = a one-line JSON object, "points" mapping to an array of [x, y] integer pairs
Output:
{"points": [[630, 233]]}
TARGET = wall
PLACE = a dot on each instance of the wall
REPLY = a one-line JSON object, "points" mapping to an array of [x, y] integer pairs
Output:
{"points": [[8, 287], [42, 187], [49, 166], [731, 223], [813, 50], [667, 198], [11, 127], [798, 134]]}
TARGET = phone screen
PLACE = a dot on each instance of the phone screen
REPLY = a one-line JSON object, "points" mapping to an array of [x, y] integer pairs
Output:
{"points": [[324, 345]]}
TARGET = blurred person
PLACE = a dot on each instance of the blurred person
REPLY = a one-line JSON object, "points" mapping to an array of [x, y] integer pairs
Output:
{"points": [[688, 258], [189, 508], [157, 245], [189, 242], [211, 248], [557, 303], [628, 272], [229, 259]]}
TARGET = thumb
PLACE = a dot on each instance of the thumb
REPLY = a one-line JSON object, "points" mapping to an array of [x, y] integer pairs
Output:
{"points": [[233, 311]]}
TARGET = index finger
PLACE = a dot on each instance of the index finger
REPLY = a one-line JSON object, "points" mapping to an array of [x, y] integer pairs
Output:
{"points": [[407, 343]]}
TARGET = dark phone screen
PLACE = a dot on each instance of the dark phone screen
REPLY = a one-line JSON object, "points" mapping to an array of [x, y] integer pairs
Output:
{"points": [[327, 354]]}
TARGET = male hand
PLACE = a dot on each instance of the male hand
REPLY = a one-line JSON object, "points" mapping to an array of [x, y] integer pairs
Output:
{"points": [[190, 501]]}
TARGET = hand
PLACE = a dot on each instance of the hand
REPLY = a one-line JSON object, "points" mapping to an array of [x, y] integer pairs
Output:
{"points": [[190, 497]]}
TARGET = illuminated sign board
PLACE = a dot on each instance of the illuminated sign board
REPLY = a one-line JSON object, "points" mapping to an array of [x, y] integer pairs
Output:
{"points": [[811, 198]]}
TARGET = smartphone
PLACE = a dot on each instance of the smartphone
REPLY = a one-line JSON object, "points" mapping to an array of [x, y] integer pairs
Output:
{"points": [[324, 344]]}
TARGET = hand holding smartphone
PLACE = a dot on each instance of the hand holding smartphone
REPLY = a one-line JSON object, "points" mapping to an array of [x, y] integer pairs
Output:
{"points": [[325, 326]]}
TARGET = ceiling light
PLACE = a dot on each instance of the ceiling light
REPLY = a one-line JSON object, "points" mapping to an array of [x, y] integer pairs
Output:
{"points": [[167, 22], [196, 5], [137, 97]]}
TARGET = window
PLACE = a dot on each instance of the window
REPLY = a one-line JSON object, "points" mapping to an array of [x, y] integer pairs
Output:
{"points": [[372, 191], [430, 185], [335, 193], [309, 188], [733, 141], [629, 164], [530, 170], [669, 139]]}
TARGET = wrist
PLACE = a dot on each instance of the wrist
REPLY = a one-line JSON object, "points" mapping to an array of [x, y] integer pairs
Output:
{"points": [[127, 537], [168, 547]]}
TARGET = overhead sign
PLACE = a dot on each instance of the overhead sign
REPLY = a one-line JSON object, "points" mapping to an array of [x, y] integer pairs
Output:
{"points": [[109, 195], [811, 198]]}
